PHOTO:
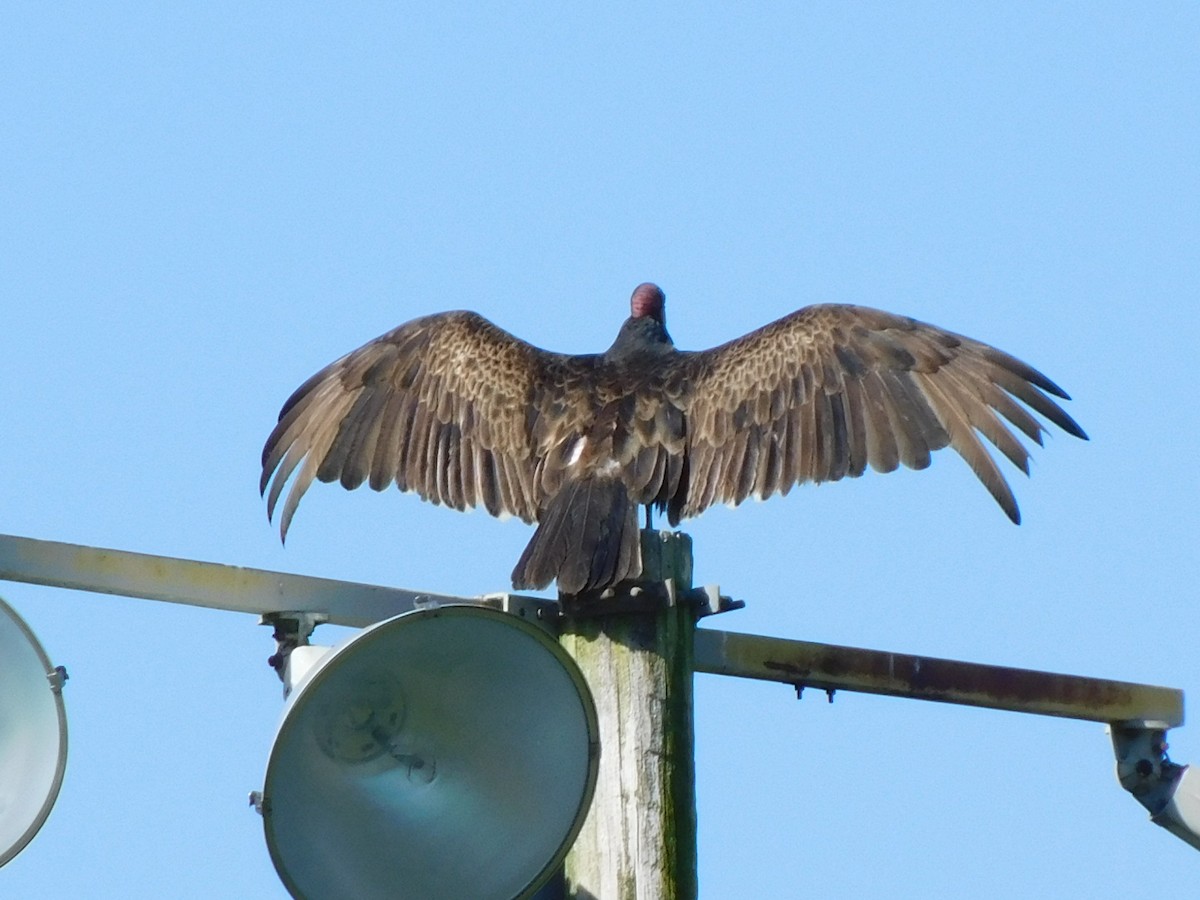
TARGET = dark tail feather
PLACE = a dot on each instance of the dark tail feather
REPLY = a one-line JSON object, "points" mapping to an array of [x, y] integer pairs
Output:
{"points": [[587, 539]]}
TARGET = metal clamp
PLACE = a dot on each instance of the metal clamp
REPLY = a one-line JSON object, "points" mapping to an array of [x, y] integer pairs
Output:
{"points": [[1169, 791], [292, 630]]}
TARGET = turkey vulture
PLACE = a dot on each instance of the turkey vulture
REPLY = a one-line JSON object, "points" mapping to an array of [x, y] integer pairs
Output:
{"points": [[465, 414]]}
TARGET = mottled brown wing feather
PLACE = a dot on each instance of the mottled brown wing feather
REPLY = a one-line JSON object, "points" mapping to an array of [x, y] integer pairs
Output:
{"points": [[449, 406], [828, 390]]}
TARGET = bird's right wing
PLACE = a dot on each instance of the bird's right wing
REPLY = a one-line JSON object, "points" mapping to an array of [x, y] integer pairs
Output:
{"points": [[828, 390], [449, 406]]}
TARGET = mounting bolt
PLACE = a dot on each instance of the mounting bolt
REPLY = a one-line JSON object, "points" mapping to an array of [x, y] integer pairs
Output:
{"points": [[58, 678]]}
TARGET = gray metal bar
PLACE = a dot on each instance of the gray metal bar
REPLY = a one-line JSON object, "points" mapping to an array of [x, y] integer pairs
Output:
{"points": [[830, 667], [207, 584]]}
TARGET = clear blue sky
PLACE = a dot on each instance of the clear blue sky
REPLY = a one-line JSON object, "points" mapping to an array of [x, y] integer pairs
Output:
{"points": [[202, 205]]}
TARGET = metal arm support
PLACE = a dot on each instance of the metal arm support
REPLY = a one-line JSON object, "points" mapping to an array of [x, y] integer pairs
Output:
{"points": [[207, 584], [830, 667], [1138, 715]]}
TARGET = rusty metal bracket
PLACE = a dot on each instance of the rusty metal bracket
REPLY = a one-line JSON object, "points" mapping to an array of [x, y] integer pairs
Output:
{"points": [[1170, 792]]}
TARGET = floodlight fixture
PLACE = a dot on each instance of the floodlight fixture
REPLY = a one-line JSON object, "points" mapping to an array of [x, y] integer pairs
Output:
{"points": [[33, 734], [447, 752]]}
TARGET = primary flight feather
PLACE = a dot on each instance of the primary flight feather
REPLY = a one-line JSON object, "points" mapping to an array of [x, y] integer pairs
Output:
{"points": [[465, 414]]}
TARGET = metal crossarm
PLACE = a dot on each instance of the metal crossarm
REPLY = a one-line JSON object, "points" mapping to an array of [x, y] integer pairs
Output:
{"points": [[830, 667], [206, 584]]}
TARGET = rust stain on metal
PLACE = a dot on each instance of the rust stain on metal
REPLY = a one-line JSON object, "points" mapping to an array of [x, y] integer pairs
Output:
{"points": [[826, 666], [932, 678], [944, 676]]}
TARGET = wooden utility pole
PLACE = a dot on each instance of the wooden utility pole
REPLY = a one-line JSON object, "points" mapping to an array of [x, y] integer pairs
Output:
{"points": [[636, 651]]}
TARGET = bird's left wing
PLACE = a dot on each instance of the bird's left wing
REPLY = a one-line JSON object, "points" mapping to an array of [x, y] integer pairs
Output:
{"points": [[448, 406], [828, 390]]}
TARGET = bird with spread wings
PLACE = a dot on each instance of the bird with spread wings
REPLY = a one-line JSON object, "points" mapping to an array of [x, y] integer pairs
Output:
{"points": [[465, 414]]}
